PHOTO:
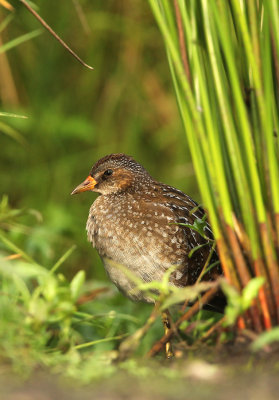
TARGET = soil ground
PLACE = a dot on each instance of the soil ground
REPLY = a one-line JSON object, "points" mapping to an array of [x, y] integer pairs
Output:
{"points": [[231, 374]]}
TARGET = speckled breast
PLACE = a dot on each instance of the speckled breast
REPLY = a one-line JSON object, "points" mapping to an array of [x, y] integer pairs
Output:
{"points": [[135, 236]]}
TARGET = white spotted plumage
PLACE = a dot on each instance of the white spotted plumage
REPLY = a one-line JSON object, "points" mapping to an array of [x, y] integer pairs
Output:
{"points": [[134, 225]]}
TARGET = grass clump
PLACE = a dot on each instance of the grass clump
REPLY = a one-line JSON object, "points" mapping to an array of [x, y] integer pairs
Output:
{"points": [[223, 58]]}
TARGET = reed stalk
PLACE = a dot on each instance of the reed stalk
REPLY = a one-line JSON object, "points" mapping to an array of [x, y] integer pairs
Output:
{"points": [[223, 59]]}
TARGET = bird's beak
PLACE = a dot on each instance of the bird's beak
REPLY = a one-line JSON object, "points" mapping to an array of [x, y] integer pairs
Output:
{"points": [[88, 184]]}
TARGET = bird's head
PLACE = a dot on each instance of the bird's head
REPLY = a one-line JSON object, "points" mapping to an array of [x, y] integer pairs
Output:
{"points": [[114, 173]]}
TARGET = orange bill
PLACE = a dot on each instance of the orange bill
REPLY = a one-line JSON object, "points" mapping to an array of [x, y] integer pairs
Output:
{"points": [[88, 184]]}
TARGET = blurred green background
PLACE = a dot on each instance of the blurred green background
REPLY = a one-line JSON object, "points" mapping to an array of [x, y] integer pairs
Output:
{"points": [[76, 116]]}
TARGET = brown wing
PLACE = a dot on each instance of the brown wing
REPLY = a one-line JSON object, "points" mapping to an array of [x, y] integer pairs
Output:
{"points": [[186, 211]]}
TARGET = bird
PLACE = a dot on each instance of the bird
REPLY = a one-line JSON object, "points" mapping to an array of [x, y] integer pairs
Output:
{"points": [[142, 227]]}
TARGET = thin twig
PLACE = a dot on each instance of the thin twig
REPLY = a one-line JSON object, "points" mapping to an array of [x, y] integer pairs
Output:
{"points": [[129, 345], [51, 31], [212, 249], [86, 298], [252, 336], [192, 311], [212, 329], [12, 257]]}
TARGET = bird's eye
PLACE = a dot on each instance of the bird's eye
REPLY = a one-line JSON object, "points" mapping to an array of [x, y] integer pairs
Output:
{"points": [[108, 172]]}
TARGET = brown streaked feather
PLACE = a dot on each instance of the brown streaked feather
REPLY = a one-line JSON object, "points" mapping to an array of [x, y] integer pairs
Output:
{"points": [[135, 224]]}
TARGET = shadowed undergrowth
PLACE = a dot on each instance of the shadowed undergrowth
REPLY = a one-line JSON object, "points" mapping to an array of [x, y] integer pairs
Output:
{"points": [[83, 329]]}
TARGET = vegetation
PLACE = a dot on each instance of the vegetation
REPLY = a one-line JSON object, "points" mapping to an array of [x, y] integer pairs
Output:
{"points": [[58, 310], [224, 63]]}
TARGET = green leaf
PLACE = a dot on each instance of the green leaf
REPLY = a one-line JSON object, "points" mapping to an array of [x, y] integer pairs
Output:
{"points": [[21, 39], [49, 288], [232, 294], [6, 22], [233, 308], [12, 133], [199, 226], [189, 293], [238, 303], [62, 259], [5, 114], [194, 249], [76, 284], [16, 249], [265, 339], [251, 291]]}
